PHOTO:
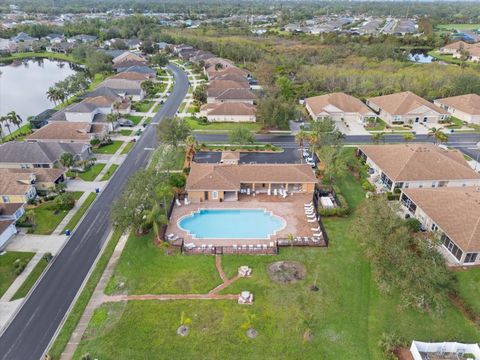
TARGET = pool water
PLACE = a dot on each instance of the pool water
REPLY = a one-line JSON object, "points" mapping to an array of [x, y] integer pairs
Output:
{"points": [[231, 224]]}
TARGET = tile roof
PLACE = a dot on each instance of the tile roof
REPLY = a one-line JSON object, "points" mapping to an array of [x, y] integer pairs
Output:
{"points": [[14, 184], [228, 108], [420, 162], [455, 210], [65, 130], [339, 100], [403, 103], [103, 91], [469, 103], [140, 70], [128, 56], [90, 104], [122, 84], [37, 152], [229, 177]]}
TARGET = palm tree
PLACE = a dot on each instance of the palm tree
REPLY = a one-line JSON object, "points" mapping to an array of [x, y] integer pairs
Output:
{"points": [[301, 137], [191, 145], [408, 137], [163, 191], [30, 217], [15, 119], [377, 137], [155, 218], [438, 135], [112, 118], [53, 95], [5, 120]]}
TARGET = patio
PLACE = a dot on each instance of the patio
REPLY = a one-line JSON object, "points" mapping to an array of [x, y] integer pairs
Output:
{"points": [[291, 210]]}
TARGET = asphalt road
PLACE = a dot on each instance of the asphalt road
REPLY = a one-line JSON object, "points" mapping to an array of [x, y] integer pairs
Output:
{"points": [[465, 142], [29, 334]]}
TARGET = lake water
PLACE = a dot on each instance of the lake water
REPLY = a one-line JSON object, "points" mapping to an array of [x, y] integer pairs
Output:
{"points": [[420, 57], [23, 85]]}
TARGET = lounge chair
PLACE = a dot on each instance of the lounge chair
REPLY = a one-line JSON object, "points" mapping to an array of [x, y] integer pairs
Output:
{"points": [[248, 191], [309, 211], [272, 244], [170, 236], [311, 215], [275, 192], [285, 194], [269, 192], [317, 235], [316, 229], [178, 202], [312, 219], [309, 204], [186, 201]]}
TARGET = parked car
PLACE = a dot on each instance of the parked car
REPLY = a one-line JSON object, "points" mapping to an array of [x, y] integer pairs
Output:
{"points": [[126, 123]]}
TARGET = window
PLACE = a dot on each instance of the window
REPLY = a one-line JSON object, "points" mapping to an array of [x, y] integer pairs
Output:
{"points": [[417, 119], [433, 184], [452, 247], [470, 257], [425, 119], [434, 227], [214, 195], [6, 199]]}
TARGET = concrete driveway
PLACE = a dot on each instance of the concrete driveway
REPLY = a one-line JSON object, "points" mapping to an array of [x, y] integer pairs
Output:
{"points": [[288, 156]]}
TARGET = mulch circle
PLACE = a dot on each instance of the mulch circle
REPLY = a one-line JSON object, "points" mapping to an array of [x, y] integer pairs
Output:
{"points": [[286, 272]]}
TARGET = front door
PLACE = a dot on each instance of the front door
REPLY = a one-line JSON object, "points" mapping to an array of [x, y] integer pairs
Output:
{"points": [[206, 195]]}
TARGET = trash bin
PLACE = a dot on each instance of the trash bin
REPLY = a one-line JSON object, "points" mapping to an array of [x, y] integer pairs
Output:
{"points": [[97, 190], [67, 232]]}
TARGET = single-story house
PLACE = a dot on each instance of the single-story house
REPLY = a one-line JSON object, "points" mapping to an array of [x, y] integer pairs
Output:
{"points": [[136, 76], [223, 182], [461, 48], [128, 56], [124, 88], [403, 166], [222, 88], [27, 155], [338, 106], [16, 187], [44, 180], [235, 95], [141, 70], [229, 112], [7, 230], [82, 38], [11, 211], [464, 107], [406, 108], [87, 109], [454, 213], [23, 37], [66, 131]]}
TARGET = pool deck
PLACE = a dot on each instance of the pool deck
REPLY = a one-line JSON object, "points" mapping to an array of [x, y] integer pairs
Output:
{"points": [[289, 208]]}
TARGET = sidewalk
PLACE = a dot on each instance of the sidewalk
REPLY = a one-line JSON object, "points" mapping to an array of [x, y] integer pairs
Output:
{"points": [[36, 243], [114, 159]]}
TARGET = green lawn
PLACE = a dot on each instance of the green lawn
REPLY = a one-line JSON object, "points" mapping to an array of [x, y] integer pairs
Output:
{"points": [[447, 58], [182, 107], [192, 109], [111, 170], [157, 108], [458, 26], [468, 287], [109, 149], [346, 316], [145, 269], [379, 126], [219, 126], [78, 215], [127, 148], [19, 134], [88, 175], [135, 119], [31, 279], [126, 132], [7, 275], [142, 106]]}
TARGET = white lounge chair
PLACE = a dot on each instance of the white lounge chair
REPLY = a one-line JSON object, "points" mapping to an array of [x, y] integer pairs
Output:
{"points": [[186, 201], [311, 215], [269, 192], [285, 194], [316, 229], [309, 204], [312, 219], [248, 191], [178, 202], [317, 235], [275, 192]]}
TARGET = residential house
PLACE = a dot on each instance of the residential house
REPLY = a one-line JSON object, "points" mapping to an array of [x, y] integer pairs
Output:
{"points": [[136, 76], [55, 38], [128, 56], [124, 65], [7, 46], [27, 155], [43, 180], [453, 213], [23, 37], [141, 70], [338, 106], [87, 109], [16, 188], [403, 166], [82, 39], [406, 108], [7, 230], [459, 49], [218, 87], [223, 182], [229, 112], [65, 131], [125, 88], [464, 107], [11, 211]]}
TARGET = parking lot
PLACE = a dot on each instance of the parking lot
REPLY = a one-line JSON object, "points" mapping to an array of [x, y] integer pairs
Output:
{"points": [[288, 156]]}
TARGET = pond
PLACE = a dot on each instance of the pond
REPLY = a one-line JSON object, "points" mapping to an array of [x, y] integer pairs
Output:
{"points": [[420, 56], [24, 83]]}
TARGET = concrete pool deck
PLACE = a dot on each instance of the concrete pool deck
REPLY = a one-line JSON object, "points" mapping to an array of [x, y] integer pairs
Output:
{"points": [[291, 209]]}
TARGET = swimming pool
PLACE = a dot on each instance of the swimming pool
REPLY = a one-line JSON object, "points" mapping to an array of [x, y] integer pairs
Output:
{"points": [[231, 224]]}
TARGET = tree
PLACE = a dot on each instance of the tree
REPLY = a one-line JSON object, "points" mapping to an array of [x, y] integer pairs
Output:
{"points": [[377, 137], [14, 119], [285, 86], [301, 137], [5, 120], [159, 59], [172, 131], [64, 201], [67, 160], [31, 218], [335, 163], [53, 94], [408, 137], [323, 132], [241, 136], [200, 94], [401, 261], [275, 111], [155, 218], [112, 118], [148, 87], [438, 135], [191, 144]]}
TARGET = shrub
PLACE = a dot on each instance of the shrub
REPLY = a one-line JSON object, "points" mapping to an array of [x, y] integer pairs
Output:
{"points": [[19, 266], [413, 224], [393, 197], [64, 201], [177, 180], [94, 142], [367, 185]]}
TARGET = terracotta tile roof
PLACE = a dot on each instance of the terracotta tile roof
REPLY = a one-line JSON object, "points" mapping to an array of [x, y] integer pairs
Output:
{"points": [[8, 209], [455, 210], [65, 130], [418, 162], [403, 103], [4, 224], [469, 103], [41, 174], [331, 102], [229, 177], [229, 108], [13, 184], [455, 45], [228, 84]]}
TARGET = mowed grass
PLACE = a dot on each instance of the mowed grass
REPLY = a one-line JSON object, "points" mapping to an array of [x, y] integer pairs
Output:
{"points": [[31, 279], [88, 175], [110, 171], [80, 212], [346, 317], [146, 269], [220, 126], [7, 275], [458, 26], [469, 288], [127, 148], [109, 149], [134, 118]]}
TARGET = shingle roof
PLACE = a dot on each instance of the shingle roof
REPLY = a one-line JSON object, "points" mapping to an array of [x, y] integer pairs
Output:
{"points": [[41, 174], [103, 91], [65, 130], [8, 209], [403, 103], [455, 210], [236, 94], [36, 152], [229, 108], [130, 76], [13, 184], [91, 103], [229, 177], [419, 162], [4, 224], [139, 69], [122, 84], [341, 101], [469, 103]]}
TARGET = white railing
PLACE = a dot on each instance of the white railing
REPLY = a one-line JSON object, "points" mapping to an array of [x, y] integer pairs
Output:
{"points": [[443, 348]]}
